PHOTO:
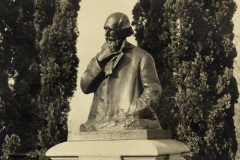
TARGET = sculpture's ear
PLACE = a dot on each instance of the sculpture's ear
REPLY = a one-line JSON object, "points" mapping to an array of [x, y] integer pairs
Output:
{"points": [[127, 32]]}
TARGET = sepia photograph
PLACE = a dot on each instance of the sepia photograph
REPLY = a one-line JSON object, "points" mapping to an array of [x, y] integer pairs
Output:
{"points": [[119, 80]]}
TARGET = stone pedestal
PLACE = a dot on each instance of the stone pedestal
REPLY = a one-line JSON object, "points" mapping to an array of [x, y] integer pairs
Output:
{"points": [[119, 150], [142, 146]]}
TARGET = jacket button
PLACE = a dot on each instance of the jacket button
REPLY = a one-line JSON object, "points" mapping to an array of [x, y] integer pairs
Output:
{"points": [[101, 99]]}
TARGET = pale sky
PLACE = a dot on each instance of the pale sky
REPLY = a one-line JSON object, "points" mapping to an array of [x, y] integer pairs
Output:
{"points": [[91, 19]]}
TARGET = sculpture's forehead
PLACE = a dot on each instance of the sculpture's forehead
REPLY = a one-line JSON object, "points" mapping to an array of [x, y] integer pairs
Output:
{"points": [[112, 22], [117, 21]]}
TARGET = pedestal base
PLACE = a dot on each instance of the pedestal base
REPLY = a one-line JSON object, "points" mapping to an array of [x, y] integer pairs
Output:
{"points": [[119, 150], [144, 134]]}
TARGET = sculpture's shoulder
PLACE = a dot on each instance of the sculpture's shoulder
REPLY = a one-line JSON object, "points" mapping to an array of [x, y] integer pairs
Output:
{"points": [[138, 52]]}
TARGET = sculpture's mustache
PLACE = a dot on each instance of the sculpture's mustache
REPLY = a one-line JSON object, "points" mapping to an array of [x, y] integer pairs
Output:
{"points": [[110, 38]]}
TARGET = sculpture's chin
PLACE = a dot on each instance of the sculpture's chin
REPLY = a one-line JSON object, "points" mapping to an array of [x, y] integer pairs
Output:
{"points": [[113, 44]]}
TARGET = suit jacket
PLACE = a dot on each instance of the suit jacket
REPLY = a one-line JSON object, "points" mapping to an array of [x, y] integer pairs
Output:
{"points": [[125, 88]]}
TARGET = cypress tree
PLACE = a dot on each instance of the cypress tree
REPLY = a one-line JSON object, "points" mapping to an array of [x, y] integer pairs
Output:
{"points": [[6, 94], [19, 61], [199, 55], [58, 74], [38, 57], [43, 16]]}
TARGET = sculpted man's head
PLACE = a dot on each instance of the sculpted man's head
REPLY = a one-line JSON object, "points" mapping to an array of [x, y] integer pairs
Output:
{"points": [[117, 28]]}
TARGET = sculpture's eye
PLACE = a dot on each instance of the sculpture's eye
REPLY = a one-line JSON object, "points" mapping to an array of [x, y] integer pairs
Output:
{"points": [[109, 29]]}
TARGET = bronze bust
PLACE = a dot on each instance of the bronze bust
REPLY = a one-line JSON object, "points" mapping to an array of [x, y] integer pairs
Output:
{"points": [[124, 80]]}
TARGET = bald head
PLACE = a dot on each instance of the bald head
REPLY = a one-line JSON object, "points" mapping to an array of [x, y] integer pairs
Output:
{"points": [[118, 22]]}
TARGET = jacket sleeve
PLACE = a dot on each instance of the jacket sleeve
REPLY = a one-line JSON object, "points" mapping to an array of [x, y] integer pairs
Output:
{"points": [[91, 77], [151, 88]]}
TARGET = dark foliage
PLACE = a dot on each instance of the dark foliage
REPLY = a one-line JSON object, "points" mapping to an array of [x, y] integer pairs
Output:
{"points": [[37, 73], [191, 42]]}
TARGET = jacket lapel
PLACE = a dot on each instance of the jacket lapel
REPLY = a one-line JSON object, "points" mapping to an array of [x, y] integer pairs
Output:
{"points": [[117, 60], [126, 46]]}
